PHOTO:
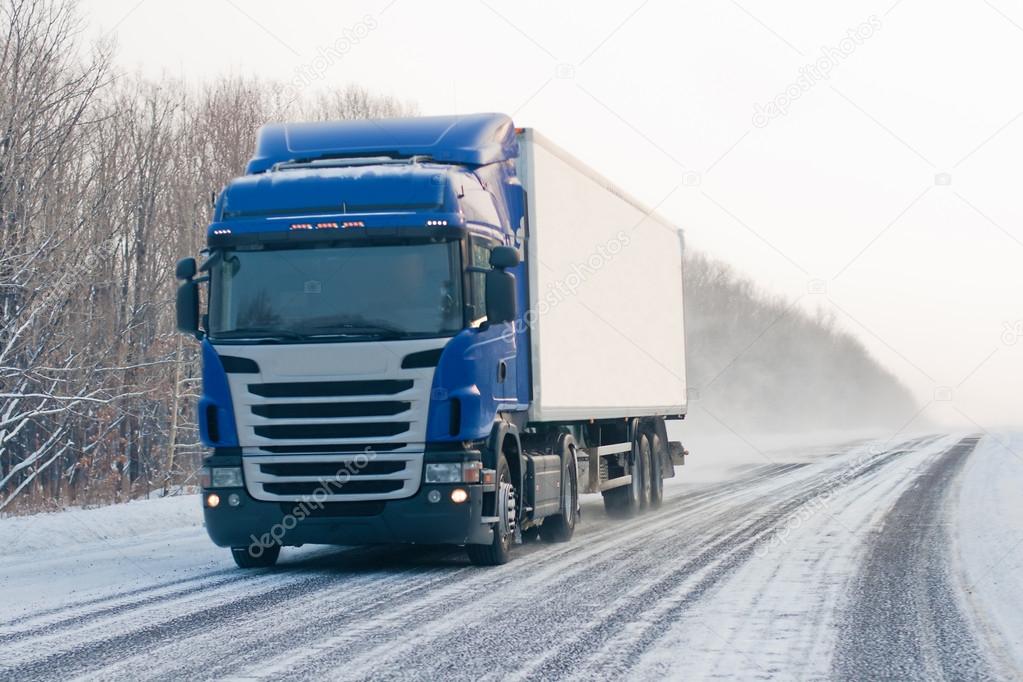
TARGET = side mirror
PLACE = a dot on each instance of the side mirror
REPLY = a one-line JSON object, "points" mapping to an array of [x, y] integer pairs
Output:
{"points": [[501, 303], [185, 268], [188, 308], [504, 257]]}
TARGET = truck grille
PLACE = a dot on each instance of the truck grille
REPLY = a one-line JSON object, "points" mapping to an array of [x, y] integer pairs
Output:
{"points": [[333, 477], [311, 431], [322, 389], [320, 409], [335, 412]]}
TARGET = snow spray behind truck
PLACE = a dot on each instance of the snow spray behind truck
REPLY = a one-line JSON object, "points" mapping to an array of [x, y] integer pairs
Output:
{"points": [[435, 330]]}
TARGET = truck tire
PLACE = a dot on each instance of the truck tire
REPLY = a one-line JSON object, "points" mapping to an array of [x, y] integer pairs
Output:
{"points": [[499, 550], [657, 456], [245, 559], [560, 527], [616, 502], [644, 471]]}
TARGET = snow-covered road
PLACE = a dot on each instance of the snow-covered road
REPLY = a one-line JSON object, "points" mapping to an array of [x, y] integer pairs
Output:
{"points": [[858, 561]]}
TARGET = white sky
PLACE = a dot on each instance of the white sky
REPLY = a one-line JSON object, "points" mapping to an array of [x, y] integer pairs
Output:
{"points": [[659, 96]]}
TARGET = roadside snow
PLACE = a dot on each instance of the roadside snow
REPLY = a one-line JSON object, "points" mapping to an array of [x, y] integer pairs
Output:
{"points": [[55, 561], [74, 527], [990, 543]]}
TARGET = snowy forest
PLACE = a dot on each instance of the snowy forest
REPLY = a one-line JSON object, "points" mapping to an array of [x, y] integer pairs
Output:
{"points": [[106, 179]]}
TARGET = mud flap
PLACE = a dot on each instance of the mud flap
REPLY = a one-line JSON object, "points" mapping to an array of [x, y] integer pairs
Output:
{"points": [[677, 452]]}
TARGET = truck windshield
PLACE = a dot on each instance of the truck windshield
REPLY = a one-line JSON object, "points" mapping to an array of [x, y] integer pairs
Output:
{"points": [[312, 293]]}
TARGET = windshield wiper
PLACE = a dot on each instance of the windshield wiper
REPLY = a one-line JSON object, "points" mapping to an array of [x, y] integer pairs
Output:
{"points": [[352, 329], [261, 333]]}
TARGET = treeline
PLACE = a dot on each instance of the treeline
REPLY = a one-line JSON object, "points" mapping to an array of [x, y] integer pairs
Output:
{"points": [[759, 364], [105, 180]]}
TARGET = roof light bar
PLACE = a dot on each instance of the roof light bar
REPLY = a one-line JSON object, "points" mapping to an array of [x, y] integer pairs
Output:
{"points": [[353, 223], [301, 226], [326, 226], [436, 222], [221, 230]]}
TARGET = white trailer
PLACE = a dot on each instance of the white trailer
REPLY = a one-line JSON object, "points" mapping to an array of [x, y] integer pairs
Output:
{"points": [[606, 314]]}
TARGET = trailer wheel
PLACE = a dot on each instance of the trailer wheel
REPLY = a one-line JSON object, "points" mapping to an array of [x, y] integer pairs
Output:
{"points": [[560, 527], [244, 558], [616, 502], [644, 471], [656, 470], [499, 550], [626, 500]]}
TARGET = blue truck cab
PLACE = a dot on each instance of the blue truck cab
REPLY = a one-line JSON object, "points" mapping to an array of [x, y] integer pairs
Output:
{"points": [[365, 358]]}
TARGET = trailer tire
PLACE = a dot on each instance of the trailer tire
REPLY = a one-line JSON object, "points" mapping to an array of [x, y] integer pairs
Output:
{"points": [[644, 471], [560, 527], [246, 559], [499, 550], [616, 502], [656, 470]]}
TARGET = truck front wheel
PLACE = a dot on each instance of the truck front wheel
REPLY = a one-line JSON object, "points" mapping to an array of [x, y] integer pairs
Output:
{"points": [[245, 557], [499, 550]]}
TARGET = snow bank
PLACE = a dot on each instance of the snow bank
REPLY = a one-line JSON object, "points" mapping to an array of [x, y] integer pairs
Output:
{"points": [[989, 539], [75, 527]]}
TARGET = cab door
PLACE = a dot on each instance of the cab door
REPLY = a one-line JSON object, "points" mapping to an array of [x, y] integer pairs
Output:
{"points": [[497, 343]]}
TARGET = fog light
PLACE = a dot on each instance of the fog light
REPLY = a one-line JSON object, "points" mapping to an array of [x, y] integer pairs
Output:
{"points": [[212, 500], [234, 500], [433, 496], [459, 495]]}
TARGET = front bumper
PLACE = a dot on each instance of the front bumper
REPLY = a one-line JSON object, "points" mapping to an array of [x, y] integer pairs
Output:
{"points": [[413, 520]]}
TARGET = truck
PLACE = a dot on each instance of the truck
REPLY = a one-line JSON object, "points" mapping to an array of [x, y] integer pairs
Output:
{"points": [[436, 330]]}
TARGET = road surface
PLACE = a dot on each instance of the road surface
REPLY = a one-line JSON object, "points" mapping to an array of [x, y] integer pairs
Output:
{"points": [[838, 563]]}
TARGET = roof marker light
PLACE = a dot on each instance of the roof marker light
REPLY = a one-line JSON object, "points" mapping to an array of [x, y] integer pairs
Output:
{"points": [[301, 226], [222, 230], [436, 222], [353, 223], [326, 226]]}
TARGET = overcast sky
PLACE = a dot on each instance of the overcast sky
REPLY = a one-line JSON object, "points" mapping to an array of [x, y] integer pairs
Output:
{"points": [[863, 158]]}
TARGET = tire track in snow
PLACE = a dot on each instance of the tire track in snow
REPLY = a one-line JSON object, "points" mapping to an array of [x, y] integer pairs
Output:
{"points": [[667, 600], [471, 641], [905, 621], [165, 620], [547, 563], [396, 606]]}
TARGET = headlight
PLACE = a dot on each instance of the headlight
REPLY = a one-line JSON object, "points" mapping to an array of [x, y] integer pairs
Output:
{"points": [[227, 477], [454, 472], [444, 473]]}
